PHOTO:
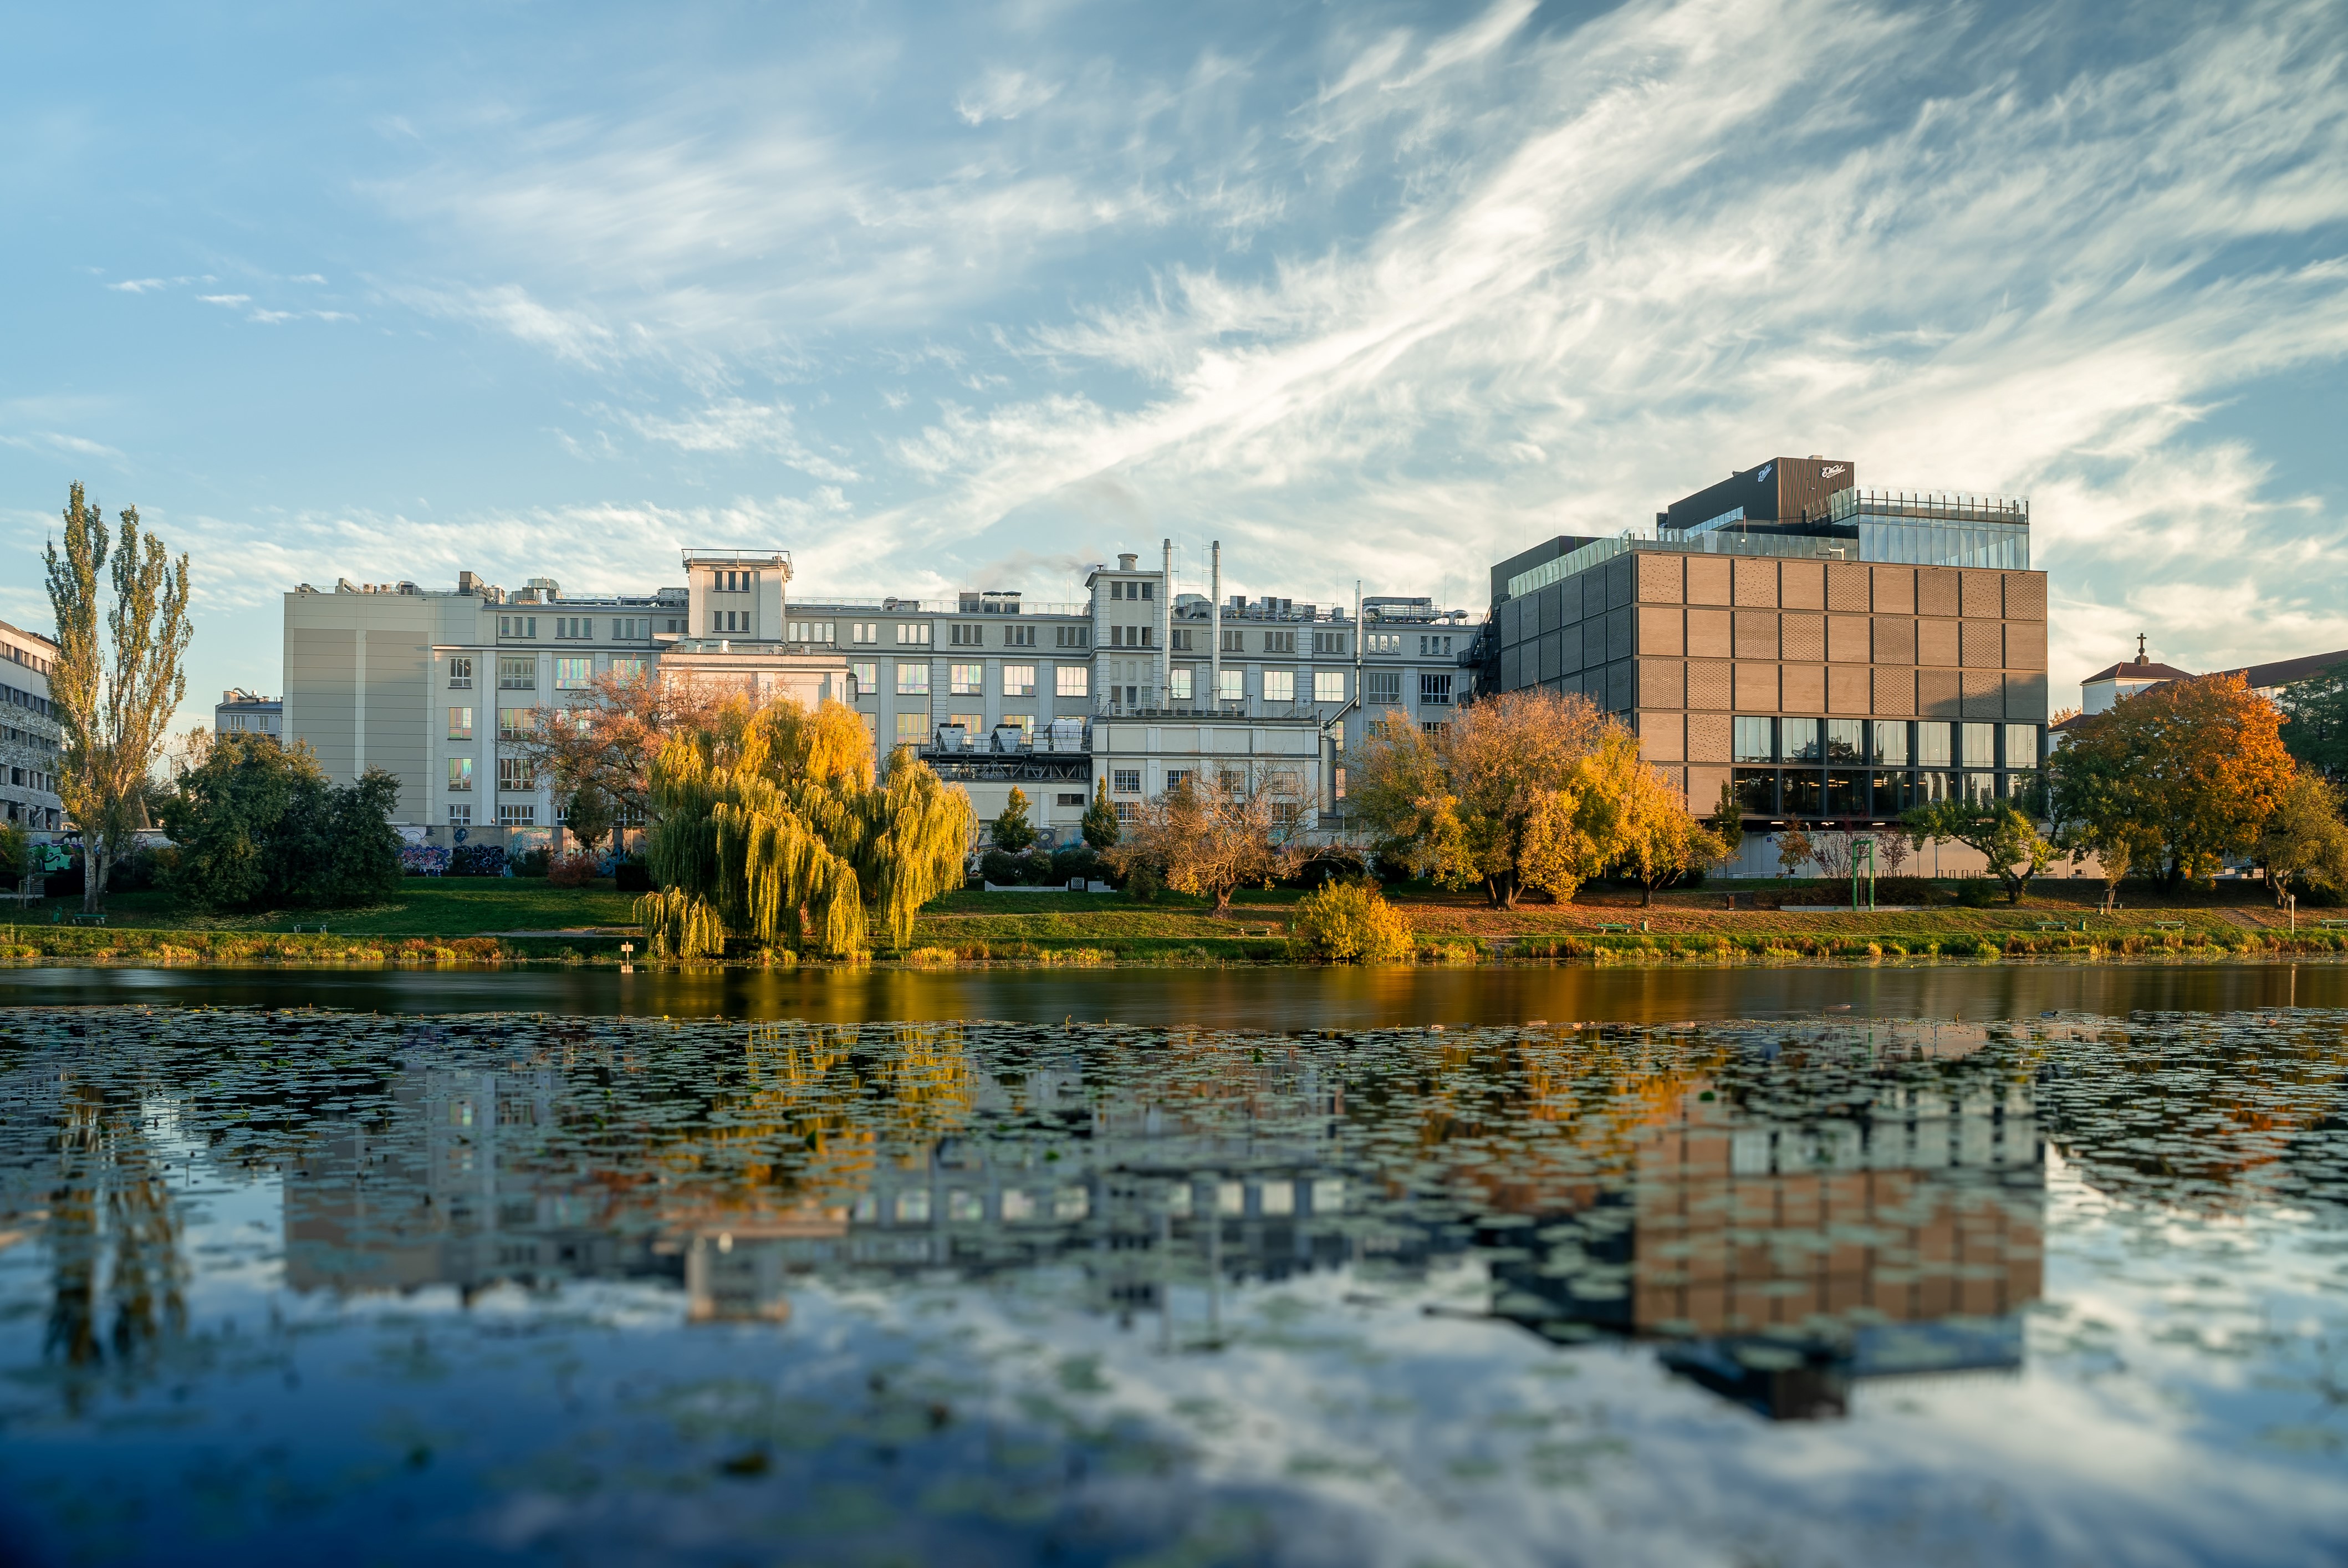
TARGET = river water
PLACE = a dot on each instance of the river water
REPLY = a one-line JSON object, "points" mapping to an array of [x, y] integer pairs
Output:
{"points": [[2000, 1264]]}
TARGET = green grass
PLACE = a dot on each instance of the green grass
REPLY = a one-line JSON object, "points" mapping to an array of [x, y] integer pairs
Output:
{"points": [[424, 906]]}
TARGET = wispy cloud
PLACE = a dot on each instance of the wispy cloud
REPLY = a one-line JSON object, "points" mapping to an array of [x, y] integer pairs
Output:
{"points": [[226, 299], [736, 426], [137, 285]]}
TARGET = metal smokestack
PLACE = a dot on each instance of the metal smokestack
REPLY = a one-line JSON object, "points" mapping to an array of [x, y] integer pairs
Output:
{"points": [[1215, 632], [1166, 630]]}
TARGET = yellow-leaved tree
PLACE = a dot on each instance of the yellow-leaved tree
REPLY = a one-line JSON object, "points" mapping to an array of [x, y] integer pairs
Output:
{"points": [[770, 825]]}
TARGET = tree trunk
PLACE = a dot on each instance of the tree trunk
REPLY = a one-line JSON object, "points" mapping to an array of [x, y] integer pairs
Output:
{"points": [[1646, 896], [95, 864], [1223, 902]]}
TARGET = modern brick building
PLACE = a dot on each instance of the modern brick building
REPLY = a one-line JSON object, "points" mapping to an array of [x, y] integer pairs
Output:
{"points": [[1832, 655]]}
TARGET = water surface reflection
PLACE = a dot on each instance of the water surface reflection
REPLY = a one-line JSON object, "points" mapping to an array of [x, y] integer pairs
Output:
{"points": [[596, 1291]]}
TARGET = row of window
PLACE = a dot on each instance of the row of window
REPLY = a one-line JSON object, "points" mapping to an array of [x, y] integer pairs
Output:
{"points": [[581, 628], [572, 672], [515, 814], [25, 700], [1890, 742], [1836, 792], [516, 774], [33, 779]]}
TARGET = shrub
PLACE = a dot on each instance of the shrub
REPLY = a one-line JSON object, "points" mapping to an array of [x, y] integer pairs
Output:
{"points": [[1350, 921], [1976, 893], [571, 871], [999, 867], [1036, 868], [1075, 860], [632, 876], [477, 860], [530, 864]]}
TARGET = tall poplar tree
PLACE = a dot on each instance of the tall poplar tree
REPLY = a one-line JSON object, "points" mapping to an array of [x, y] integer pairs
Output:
{"points": [[116, 688]]}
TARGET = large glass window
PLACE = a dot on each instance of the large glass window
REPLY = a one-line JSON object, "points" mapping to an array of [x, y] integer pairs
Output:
{"points": [[2022, 745], [573, 675], [1933, 745], [517, 773], [1756, 789], [965, 680], [1891, 742], [866, 674], [1234, 685], [1980, 744], [1756, 739], [1804, 795], [1890, 794], [1280, 686], [912, 728], [460, 723], [461, 675], [460, 774], [1179, 680], [1802, 739], [515, 723], [1382, 688], [912, 680], [1845, 794], [1328, 685], [461, 816], [1434, 688], [1072, 680], [1981, 788], [631, 666], [518, 675], [1019, 680], [1846, 740], [914, 637]]}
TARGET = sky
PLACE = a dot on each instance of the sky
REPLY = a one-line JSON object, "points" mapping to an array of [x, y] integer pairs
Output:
{"points": [[970, 296]]}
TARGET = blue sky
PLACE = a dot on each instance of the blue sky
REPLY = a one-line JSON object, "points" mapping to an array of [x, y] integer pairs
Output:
{"points": [[970, 297]]}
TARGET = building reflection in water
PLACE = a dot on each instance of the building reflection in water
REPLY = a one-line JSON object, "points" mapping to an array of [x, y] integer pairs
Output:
{"points": [[1779, 1241]]}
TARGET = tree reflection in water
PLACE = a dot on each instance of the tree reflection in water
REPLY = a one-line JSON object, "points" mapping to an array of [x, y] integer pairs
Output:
{"points": [[113, 1238]]}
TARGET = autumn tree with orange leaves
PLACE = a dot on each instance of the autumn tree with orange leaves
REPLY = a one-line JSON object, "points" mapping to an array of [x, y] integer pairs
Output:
{"points": [[2176, 779]]}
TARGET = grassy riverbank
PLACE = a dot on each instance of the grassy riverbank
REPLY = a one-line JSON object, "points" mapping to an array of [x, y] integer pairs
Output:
{"points": [[521, 920]]}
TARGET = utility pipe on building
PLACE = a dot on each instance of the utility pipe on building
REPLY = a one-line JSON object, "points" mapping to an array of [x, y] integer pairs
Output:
{"points": [[1166, 630]]}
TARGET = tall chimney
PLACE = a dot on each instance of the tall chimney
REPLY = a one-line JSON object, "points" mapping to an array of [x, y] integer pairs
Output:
{"points": [[1215, 632], [1166, 629]]}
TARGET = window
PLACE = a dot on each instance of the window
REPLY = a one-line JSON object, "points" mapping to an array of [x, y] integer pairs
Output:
{"points": [[460, 723], [573, 675], [1019, 680], [576, 628], [811, 631], [522, 816], [1433, 647], [1757, 742], [1066, 798], [461, 675], [631, 629], [1382, 642], [1181, 639], [1801, 739], [461, 816], [1177, 779], [460, 775], [1232, 686], [2022, 745], [1891, 742], [1280, 686], [1932, 745], [1280, 642], [515, 723], [1434, 688], [517, 626], [735, 583], [1116, 589], [736, 620], [1132, 637], [1127, 812], [1180, 683], [972, 723], [912, 680], [1072, 680], [1328, 685], [1125, 781], [1382, 688], [1846, 740], [518, 675], [864, 632], [1980, 741], [912, 728], [673, 623], [1018, 636], [632, 667], [866, 676], [517, 775], [1328, 642], [1432, 725], [965, 680], [914, 637], [1232, 643], [966, 637]]}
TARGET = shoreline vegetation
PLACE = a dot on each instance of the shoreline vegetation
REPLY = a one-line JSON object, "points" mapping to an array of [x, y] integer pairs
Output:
{"points": [[521, 921]]}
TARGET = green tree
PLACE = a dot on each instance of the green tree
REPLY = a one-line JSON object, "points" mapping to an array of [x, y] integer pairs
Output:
{"points": [[2305, 841], [260, 826], [114, 691], [1012, 831], [16, 856], [588, 816], [2007, 839], [1101, 827], [770, 825], [2317, 734], [1728, 822]]}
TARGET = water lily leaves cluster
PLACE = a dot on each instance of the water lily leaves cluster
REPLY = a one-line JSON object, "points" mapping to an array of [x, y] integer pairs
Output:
{"points": [[771, 826]]}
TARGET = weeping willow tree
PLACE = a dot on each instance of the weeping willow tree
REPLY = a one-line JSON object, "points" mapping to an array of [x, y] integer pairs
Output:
{"points": [[772, 827]]}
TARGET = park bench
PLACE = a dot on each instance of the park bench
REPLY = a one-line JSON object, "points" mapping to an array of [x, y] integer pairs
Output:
{"points": [[79, 918], [320, 928], [2053, 926], [2329, 923], [2170, 924], [1603, 927]]}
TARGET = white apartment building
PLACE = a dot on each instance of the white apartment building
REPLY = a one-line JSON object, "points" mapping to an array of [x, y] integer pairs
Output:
{"points": [[995, 690], [31, 749]]}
